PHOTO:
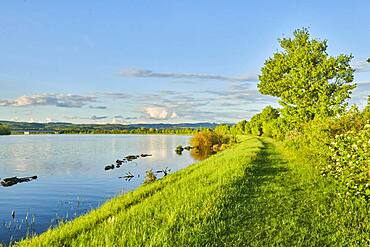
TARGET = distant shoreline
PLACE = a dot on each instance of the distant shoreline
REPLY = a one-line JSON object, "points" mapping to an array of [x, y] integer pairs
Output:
{"points": [[24, 128], [56, 134]]}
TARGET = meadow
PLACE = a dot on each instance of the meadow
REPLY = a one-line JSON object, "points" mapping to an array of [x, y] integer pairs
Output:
{"points": [[255, 193]]}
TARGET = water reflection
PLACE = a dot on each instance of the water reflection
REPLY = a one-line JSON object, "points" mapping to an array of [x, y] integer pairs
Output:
{"points": [[201, 153]]}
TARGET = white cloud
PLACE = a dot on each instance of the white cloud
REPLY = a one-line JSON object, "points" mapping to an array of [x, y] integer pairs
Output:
{"points": [[94, 117], [142, 73], [49, 120], [59, 100], [361, 65], [98, 107], [160, 113], [116, 120]]}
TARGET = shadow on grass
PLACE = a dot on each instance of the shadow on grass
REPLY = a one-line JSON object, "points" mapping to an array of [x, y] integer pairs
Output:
{"points": [[265, 167], [276, 203], [244, 211]]}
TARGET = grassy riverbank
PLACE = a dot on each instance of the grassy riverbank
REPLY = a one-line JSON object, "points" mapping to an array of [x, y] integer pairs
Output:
{"points": [[253, 194]]}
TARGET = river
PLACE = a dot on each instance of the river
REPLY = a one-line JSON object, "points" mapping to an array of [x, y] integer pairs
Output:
{"points": [[71, 175]]}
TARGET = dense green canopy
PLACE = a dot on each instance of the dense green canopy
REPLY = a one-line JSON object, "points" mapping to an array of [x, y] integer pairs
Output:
{"points": [[308, 81]]}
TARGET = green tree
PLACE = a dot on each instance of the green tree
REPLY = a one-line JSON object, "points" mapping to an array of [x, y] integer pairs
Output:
{"points": [[269, 113], [307, 80], [222, 129], [258, 121], [368, 60], [240, 127]]}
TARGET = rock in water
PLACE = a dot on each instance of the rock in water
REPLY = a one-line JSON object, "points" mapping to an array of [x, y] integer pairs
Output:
{"points": [[7, 182], [109, 167]]}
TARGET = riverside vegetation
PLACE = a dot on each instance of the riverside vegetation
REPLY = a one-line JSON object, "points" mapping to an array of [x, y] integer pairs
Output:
{"points": [[299, 174]]}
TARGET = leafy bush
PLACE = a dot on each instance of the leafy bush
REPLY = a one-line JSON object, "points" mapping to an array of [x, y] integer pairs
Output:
{"points": [[222, 129], [312, 139], [338, 145], [351, 161], [275, 128], [259, 123], [239, 128], [215, 141], [340, 148], [204, 139]]}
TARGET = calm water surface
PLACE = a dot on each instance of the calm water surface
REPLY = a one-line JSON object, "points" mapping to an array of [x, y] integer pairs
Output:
{"points": [[71, 176]]}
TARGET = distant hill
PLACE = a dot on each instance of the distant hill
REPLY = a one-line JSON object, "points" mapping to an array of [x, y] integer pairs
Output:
{"points": [[57, 126]]}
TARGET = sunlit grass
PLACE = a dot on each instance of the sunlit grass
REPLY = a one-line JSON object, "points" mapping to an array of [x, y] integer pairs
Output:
{"points": [[253, 194]]}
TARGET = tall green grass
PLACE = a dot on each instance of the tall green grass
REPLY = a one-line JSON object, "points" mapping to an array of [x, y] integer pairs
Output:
{"points": [[253, 194]]}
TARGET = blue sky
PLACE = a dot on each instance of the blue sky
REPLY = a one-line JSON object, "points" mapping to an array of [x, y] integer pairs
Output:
{"points": [[159, 61]]}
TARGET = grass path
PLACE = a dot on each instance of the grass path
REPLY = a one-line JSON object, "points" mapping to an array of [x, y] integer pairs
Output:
{"points": [[283, 201], [253, 194], [275, 202]]}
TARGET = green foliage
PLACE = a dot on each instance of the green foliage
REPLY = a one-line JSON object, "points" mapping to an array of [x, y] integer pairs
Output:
{"points": [[350, 156], [204, 139], [209, 142], [340, 146], [239, 128], [368, 60], [275, 128], [215, 141], [208, 139], [4, 130], [309, 82], [258, 123], [222, 129]]}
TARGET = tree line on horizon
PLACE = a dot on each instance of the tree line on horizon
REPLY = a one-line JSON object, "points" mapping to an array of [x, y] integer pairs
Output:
{"points": [[177, 131]]}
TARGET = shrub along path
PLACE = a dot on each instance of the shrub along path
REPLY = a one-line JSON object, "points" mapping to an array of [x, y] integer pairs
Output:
{"points": [[253, 194]]}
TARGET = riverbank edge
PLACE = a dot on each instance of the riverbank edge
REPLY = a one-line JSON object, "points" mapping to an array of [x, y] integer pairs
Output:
{"points": [[124, 202]]}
